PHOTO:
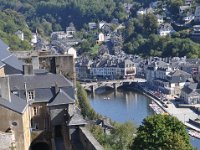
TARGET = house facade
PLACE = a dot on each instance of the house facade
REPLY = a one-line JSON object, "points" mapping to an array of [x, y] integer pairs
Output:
{"points": [[191, 94]]}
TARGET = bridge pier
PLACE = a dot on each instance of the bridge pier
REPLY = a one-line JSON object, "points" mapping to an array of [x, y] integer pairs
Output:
{"points": [[115, 87], [92, 89]]}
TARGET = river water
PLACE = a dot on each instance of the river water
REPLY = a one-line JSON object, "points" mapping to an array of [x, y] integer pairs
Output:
{"points": [[122, 106]]}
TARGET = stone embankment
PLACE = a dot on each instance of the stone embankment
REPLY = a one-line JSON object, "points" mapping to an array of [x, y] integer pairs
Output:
{"points": [[183, 114]]}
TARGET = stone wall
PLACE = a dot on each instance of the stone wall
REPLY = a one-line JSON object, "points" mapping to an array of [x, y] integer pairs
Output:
{"points": [[19, 124], [57, 64], [7, 140], [88, 141]]}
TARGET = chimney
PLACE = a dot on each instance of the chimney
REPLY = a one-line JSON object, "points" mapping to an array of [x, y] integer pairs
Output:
{"points": [[27, 69], [5, 88], [35, 62], [55, 89]]}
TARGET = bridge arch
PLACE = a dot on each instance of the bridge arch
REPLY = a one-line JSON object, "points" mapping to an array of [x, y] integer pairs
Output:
{"points": [[104, 86]]}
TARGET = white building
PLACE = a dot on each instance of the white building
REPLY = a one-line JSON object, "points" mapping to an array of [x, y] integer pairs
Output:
{"points": [[101, 24], [20, 34], [124, 69], [71, 51], [101, 37], [165, 29], [34, 38], [70, 31]]}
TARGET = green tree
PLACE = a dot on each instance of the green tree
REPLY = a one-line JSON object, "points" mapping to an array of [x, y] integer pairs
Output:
{"points": [[162, 132], [84, 104], [150, 23], [123, 135]]}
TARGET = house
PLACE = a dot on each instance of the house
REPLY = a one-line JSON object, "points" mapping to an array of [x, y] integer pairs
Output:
{"points": [[92, 25], [70, 51], [195, 35], [189, 2], [188, 18], [183, 10], [101, 38], [159, 19], [70, 31], [127, 7], [155, 4], [35, 103], [101, 24], [189, 67], [165, 29], [83, 65], [177, 79], [115, 21], [58, 35], [34, 39], [20, 34], [106, 28], [157, 70], [197, 14], [112, 67], [191, 93], [141, 12]]}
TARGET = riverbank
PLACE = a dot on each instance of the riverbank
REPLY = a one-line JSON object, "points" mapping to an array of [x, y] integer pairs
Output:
{"points": [[182, 114]]}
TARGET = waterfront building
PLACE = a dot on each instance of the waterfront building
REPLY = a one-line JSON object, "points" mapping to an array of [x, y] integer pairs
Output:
{"points": [[111, 67], [191, 93]]}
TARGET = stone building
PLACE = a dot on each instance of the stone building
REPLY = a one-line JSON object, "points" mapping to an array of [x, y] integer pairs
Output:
{"points": [[35, 106]]}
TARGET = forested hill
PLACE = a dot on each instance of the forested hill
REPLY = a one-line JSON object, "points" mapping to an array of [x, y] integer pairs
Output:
{"points": [[140, 34], [56, 14]]}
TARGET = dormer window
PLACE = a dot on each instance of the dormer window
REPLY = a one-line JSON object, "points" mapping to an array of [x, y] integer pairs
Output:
{"points": [[31, 95], [15, 93]]}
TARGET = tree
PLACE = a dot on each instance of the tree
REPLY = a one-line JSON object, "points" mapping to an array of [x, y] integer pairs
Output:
{"points": [[123, 135], [120, 138], [162, 132], [84, 104], [150, 23]]}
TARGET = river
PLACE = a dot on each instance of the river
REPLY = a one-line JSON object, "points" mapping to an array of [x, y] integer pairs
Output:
{"points": [[122, 106]]}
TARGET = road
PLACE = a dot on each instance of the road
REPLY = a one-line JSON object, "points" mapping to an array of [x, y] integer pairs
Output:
{"points": [[113, 81]]}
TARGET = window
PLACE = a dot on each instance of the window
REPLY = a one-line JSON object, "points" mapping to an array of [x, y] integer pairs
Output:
{"points": [[16, 93], [30, 95], [14, 123], [35, 111]]}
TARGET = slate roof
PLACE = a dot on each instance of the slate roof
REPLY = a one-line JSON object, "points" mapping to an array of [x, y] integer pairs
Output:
{"points": [[7, 58], [3, 50], [76, 119], [1, 64], [16, 104], [13, 62], [38, 81], [179, 73], [43, 86], [43, 95], [61, 99], [193, 93], [191, 87]]}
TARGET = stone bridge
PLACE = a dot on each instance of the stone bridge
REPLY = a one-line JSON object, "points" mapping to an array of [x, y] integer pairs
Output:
{"points": [[114, 84]]}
